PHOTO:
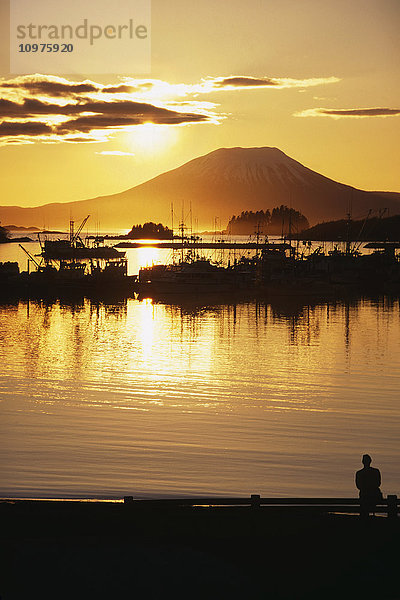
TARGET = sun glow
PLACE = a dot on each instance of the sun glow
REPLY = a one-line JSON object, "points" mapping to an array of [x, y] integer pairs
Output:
{"points": [[152, 139]]}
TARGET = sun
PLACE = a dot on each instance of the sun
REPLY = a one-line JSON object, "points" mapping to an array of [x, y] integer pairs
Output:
{"points": [[151, 139]]}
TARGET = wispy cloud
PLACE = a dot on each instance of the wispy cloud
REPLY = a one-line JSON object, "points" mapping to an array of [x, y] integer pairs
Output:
{"points": [[210, 85], [349, 112], [244, 82], [115, 153]]}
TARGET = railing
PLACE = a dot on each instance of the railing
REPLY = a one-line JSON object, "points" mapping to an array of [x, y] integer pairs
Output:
{"points": [[389, 505]]}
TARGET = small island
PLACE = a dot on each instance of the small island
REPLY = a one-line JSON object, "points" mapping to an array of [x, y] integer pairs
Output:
{"points": [[3, 235], [20, 228], [6, 239], [280, 221], [151, 231]]}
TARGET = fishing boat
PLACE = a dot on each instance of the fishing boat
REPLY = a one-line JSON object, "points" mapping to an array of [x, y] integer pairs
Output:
{"points": [[71, 265], [75, 248], [189, 277]]}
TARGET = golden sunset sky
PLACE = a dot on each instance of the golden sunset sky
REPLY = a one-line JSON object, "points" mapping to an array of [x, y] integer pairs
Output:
{"points": [[318, 79]]}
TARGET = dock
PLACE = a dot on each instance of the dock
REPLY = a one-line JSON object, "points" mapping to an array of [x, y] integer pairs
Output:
{"points": [[219, 245], [388, 506], [278, 548]]}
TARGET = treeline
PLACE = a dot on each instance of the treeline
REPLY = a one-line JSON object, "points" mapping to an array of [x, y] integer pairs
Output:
{"points": [[372, 230], [275, 222], [150, 230]]}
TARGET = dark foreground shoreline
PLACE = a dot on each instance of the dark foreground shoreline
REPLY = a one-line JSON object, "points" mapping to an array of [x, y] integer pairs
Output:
{"points": [[96, 550]]}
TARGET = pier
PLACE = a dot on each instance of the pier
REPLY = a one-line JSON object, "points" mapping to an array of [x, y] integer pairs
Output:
{"points": [[388, 506], [219, 245], [95, 549]]}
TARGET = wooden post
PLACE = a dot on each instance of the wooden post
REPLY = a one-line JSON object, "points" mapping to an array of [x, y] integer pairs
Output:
{"points": [[392, 506], [255, 500], [128, 499]]}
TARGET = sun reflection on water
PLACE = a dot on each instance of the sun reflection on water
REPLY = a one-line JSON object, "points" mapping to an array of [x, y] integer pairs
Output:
{"points": [[146, 320], [195, 397]]}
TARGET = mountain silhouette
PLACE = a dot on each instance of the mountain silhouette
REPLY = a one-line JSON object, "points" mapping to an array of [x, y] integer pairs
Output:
{"points": [[218, 185]]}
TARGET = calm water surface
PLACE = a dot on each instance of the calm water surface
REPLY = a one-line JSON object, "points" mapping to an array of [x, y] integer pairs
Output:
{"points": [[153, 399]]}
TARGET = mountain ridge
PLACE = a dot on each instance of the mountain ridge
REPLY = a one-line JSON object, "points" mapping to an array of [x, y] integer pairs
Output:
{"points": [[224, 182]]}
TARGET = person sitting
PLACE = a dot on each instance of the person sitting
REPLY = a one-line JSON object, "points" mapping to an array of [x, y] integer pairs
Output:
{"points": [[368, 481]]}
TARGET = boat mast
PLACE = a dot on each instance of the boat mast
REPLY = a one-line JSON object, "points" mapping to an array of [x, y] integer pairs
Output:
{"points": [[182, 231], [348, 245], [71, 230], [348, 233]]}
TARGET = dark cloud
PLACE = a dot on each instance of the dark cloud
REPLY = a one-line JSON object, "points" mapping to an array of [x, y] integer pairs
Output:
{"points": [[86, 124], [64, 88], [360, 112], [84, 117], [51, 88], [338, 113], [30, 107], [26, 128], [245, 82], [139, 110], [79, 139], [125, 108]]}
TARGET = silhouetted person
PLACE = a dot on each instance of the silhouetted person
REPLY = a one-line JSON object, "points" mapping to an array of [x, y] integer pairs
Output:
{"points": [[368, 481]]}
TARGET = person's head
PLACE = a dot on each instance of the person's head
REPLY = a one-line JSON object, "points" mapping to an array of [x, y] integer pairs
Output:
{"points": [[366, 460]]}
